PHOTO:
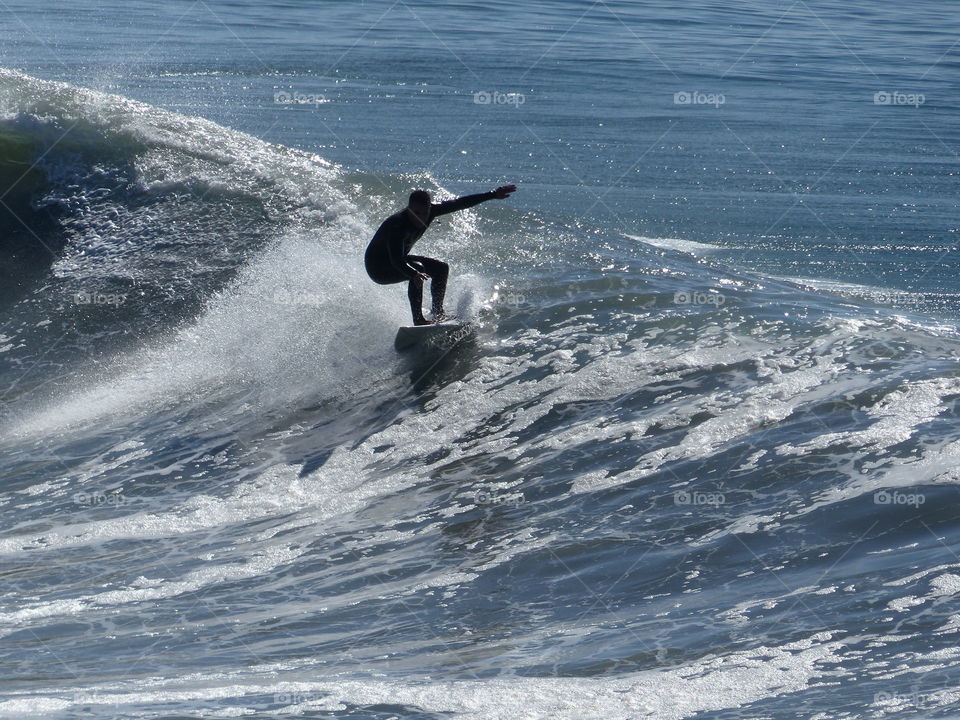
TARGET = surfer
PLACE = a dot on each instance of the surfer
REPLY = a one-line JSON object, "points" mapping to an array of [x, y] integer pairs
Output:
{"points": [[388, 259]]}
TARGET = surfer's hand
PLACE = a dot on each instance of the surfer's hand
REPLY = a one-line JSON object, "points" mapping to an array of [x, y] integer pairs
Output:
{"points": [[504, 191]]}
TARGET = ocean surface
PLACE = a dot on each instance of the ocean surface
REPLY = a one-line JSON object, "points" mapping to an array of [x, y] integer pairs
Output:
{"points": [[700, 459]]}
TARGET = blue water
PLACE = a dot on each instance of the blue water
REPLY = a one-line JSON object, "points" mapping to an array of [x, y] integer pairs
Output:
{"points": [[699, 460]]}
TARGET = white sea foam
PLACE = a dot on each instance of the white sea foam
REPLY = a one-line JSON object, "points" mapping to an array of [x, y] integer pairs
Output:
{"points": [[727, 681], [688, 246]]}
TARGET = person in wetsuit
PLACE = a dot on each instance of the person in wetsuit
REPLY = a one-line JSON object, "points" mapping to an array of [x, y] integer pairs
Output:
{"points": [[388, 259]]}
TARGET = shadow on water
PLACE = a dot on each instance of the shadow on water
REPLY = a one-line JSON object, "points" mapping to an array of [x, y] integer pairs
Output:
{"points": [[350, 423], [433, 365]]}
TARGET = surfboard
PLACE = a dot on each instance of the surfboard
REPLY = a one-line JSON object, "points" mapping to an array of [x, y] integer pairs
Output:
{"points": [[439, 336]]}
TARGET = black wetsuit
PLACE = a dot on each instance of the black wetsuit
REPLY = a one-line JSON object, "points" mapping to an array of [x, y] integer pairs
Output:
{"points": [[388, 259]]}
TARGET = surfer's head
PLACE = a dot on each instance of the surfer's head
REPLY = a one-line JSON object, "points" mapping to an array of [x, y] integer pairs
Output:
{"points": [[419, 205], [419, 199]]}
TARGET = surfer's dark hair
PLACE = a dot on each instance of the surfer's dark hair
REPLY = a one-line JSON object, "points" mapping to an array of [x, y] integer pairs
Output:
{"points": [[419, 197]]}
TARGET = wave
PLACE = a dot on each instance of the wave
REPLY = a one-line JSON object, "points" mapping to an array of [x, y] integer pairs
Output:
{"points": [[135, 222]]}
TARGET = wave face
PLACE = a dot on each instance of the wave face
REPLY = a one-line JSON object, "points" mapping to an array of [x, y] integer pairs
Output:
{"points": [[652, 486]]}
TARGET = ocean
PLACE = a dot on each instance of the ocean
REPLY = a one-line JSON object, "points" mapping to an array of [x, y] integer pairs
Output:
{"points": [[698, 459]]}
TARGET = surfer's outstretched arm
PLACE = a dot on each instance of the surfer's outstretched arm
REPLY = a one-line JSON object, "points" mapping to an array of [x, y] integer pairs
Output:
{"points": [[468, 201]]}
